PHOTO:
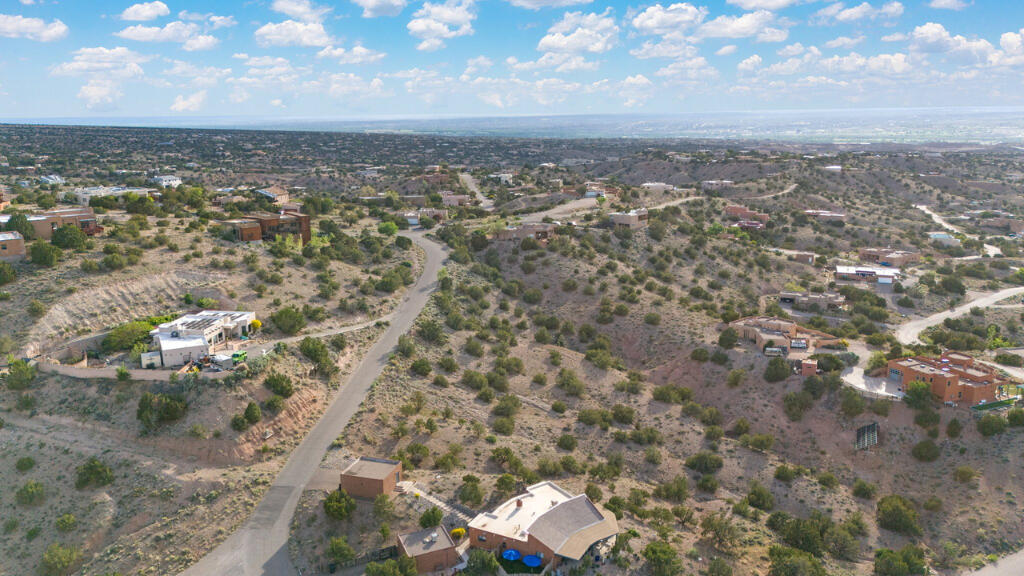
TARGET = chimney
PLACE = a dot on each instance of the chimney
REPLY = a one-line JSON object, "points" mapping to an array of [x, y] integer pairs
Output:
{"points": [[519, 503]]}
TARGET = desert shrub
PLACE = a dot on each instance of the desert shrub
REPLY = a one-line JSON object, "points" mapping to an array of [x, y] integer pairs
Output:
{"points": [[954, 428], [672, 394], [59, 560], [991, 424], [828, 480], [66, 523], [675, 490], [504, 425], [964, 474], [865, 490], [421, 367], [93, 474], [786, 561], [338, 550], [728, 338], [785, 473], [1015, 417], [700, 355], [24, 464], [896, 513], [735, 377], [623, 414], [907, 561], [760, 497], [662, 559], [567, 442], [795, 404], [705, 462], [926, 451], [31, 493], [279, 384]]}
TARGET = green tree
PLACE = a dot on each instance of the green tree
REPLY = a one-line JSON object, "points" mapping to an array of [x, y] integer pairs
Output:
{"points": [[383, 507], [339, 505], [7, 273], [991, 424], [896, 513], [481, 563], [387, 228], [907, 561], [719, 529], [662, 559], [289, 320], [760, 497], [728, 338], [918, 395], [21, 374], [432, 517], [339, 551], [719, 567], [786, 561], [125, 336], [66, 523], [252, 413], [69, 237], [19, 223], [403, 566], [777, 370], [43, 253]]}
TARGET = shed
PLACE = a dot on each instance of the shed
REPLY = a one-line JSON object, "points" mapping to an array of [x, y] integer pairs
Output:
{"points": [[370, 477], [432, 549]]}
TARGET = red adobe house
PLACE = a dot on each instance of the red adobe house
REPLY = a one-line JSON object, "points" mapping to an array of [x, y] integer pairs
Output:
{"points": [[953, 377]]}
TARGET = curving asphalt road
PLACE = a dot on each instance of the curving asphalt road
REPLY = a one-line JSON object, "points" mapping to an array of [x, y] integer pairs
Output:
{"points": [[470, 183], [259, 546], [907, 333]]}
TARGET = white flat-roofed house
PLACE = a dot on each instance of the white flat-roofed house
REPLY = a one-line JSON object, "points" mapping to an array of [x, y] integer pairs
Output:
{"points": [[546, 521], [166, 181], [194, 336], [657, 187], [880, 275], [83, 196]]}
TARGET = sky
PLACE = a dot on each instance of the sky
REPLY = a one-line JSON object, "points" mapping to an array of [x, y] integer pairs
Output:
{"points": [[364, 59]]}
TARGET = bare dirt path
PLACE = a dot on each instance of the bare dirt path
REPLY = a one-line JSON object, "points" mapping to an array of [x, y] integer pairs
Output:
{"points": [[259, 546], [989, 249]]}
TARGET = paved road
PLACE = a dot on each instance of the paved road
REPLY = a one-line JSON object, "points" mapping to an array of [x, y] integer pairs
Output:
{"points": [[469, 182], [907, 333], [1012, 565], [989, 249], [259, 546]]}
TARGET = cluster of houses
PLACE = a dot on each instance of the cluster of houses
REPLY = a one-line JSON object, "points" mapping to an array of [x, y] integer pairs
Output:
{"points": [[546, 523], [44, 224]]}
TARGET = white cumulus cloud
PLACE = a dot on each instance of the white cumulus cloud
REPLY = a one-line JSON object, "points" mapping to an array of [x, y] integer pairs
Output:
{"points": [[375, 8], [673, 19], [292, 33], [357, 54], [948, 4], [191, 103], [749, 64], [434, 22], [577, 32], [31, 28], [303, 10], [145, 11]]}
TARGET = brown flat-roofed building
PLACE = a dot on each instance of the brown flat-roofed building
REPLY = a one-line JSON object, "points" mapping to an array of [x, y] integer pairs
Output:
{"points": [[632, 220], [887, 256], [432, 549], [953, 377], [778, 333], [268, 226], [737, 212], [370, 477], [12, 247], [45, 223]]}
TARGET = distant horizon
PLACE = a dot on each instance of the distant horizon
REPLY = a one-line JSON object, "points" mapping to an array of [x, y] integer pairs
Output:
{"points": [[850, 126]]}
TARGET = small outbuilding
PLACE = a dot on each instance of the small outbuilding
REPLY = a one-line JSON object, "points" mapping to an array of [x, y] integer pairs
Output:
{"points": [[370, 477], [432, 549]]}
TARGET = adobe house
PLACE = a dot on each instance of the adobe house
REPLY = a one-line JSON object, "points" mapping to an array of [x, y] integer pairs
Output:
{"points": [[546, 521], [370, 477], [953, 377], [432, 549], [12, 247]]}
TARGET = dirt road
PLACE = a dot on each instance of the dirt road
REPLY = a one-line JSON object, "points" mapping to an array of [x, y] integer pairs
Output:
{"points": [[259, 546]]}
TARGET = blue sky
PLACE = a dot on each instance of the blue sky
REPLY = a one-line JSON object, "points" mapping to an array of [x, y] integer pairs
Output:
{"points": [[387, 58]]}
